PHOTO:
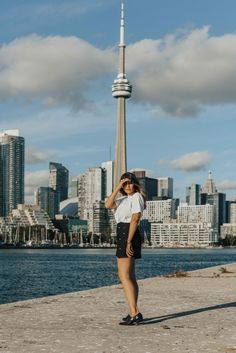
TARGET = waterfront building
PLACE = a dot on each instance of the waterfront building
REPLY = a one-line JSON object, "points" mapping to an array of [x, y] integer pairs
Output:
{"points": [[100, 224], [81, 193], [160, 211], [69, 207], [182, 234], [193, 194], [91, 188], [148, 184], [111, 223], [121, 90], [232, 217], [218, 200], [210, 196], [59, 179], [145, 229], [48, 200], [6, 227], [109, 176], [196, 214], [74, 228], [26, 224], [31, 215], [227, 211], [228, 230], [74, 187], [12, 170], [165, 187]]}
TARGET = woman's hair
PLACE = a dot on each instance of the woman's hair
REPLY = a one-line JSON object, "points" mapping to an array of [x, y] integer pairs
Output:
{"points": [[134, 180]]}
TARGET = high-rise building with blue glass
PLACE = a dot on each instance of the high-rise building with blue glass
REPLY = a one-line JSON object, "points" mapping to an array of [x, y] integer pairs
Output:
{"points": [[48, 200], [12, 171], [59, 179]]}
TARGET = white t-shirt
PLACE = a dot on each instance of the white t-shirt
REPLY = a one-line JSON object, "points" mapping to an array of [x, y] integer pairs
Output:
{"points": [[127, 205]]}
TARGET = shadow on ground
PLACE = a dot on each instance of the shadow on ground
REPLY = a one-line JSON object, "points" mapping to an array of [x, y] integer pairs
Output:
{"points": [[158, 319]]}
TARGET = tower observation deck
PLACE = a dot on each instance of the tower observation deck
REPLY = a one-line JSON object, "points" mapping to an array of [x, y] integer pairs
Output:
{"points": [[121, 89]]}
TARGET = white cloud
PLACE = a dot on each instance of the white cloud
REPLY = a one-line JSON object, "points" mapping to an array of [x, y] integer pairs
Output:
{"points": [[226, 185], [185, 71], [191, 162], [57, 69], [179, 74], [34, 157], [57, 124]]}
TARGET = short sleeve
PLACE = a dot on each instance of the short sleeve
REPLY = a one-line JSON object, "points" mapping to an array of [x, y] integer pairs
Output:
{"points": [[137, 204], [119, 200]]}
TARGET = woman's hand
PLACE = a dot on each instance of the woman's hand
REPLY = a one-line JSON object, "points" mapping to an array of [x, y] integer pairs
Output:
{"points": [[122, 182], [110, 201], [129, 249]]}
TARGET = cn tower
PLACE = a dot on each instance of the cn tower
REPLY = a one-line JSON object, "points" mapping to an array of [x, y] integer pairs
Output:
{"points": [[121, 89]]}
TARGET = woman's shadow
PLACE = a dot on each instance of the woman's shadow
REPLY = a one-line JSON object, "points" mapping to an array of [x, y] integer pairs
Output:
{"points": [[158, 319]]}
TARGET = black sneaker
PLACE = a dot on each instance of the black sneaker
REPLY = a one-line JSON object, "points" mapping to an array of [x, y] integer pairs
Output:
{"points": [[135, 320]]}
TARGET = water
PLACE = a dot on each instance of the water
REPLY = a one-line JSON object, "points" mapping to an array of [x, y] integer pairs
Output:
{"points": [[26, 274]]}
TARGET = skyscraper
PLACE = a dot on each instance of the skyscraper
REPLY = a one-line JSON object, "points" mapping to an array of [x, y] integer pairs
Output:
{"points": [[165, 187], [148, 184], [193, 195], [196, 214], [159, 211], [48, 200], [58, 179], [12, 170], [74, 187], [209, 186], [91, 188], [232, 217], [109, 168], [121, 89], [218, 200]]}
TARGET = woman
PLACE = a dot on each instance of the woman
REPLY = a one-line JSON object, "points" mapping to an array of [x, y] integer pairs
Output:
{"points": [[128, 211]]}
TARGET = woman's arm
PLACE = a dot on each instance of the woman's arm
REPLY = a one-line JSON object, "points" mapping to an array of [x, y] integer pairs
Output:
{"points": [[132, 229], [110, 201]]}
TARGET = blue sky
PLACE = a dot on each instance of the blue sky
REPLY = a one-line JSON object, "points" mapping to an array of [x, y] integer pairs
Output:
{"points": [[58, 60]]}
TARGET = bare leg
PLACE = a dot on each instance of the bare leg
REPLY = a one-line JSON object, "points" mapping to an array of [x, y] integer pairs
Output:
{"points": [[127, 278], [133, 278]]}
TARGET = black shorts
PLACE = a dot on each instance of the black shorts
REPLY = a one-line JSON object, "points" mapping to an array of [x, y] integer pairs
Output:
{"points": [[122, 236]]}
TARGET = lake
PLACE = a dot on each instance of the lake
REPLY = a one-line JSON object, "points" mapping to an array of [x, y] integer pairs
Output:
{"points": [[34, 273]]}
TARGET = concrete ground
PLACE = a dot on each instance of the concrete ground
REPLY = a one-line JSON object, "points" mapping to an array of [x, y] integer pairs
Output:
{"points": [[194, 313]]}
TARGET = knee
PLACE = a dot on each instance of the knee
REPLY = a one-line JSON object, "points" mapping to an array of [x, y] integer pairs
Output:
{"points": [[123, 277]]}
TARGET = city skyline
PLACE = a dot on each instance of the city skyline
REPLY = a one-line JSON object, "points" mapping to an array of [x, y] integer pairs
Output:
{"points": [[181, 125]]}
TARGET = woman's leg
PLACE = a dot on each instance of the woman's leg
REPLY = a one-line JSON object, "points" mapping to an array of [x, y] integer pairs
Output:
{"points": [[126, 275], [133, 278]]}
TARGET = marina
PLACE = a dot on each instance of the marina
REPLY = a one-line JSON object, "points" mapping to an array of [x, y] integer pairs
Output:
{"points": [[41, 237]]}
